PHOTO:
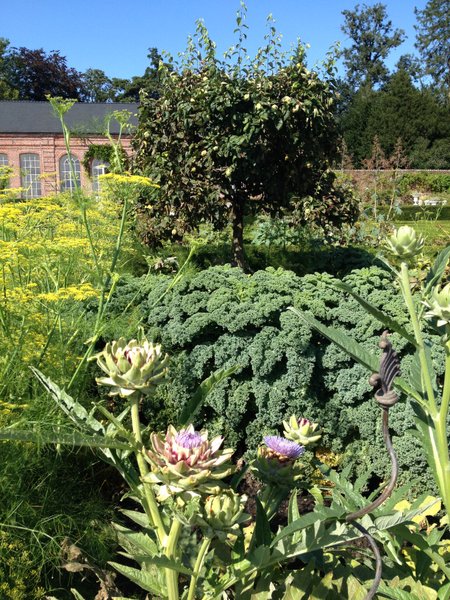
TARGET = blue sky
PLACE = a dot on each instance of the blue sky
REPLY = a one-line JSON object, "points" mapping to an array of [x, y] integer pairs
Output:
{"points": [[114, 35]]}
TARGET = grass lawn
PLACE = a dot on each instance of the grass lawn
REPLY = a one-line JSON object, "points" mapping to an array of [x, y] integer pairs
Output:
{"points": [[436, 233]]}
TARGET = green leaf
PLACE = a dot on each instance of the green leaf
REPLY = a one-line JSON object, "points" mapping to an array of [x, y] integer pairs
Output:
{"points": [[437, 270], [136, 540], [385, 320], [190, 409], [300, 583], [354, 350], [444, 592], [161, 562], [73, 409], [144, 579], [137, 517], [73, 438], [323, 589], [355, 589], [346, 343], [301, 523], [394, 593], [293, 512], [77, 594], [262, 535]]}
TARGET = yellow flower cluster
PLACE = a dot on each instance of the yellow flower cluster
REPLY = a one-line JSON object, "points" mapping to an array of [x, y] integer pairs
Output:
{"points": [[47, 268], [127, 179], [80, 292]]}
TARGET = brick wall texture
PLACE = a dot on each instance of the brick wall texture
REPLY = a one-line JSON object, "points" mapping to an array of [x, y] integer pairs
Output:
{"points": [[50, 148]]}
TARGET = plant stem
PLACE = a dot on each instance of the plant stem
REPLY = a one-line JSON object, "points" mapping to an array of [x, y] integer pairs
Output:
{"points": [[445, 403], [439, 459], [204, 547], [150, 499], [171, 552], [406, 290]]}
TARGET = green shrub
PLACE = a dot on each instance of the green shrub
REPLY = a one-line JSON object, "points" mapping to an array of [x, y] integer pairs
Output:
{"points": [[222, 317], [424, 182], [427, 213]]}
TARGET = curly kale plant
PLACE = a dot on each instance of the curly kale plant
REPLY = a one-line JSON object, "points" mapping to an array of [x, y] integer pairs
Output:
{"points": [[222, 317]]}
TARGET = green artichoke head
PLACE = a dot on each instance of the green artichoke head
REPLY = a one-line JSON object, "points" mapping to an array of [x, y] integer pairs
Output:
{"points": [[302, 431], [439, 305], [134, 366], [187, 460], [404, 244], [225, 512]]}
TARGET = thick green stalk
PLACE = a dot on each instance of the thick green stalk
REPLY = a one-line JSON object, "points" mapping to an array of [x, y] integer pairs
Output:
{"points": [[439, 459], [445, 403], [441, 426], [171, 552], [426, 377], [204, 547], [150, 499], [167, 543]]}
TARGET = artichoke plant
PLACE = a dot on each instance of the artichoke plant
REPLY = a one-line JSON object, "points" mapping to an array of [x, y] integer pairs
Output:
{"points": [[439, 305], [276, 461], [185, 460], [302, 431], [132, 366], [404, 243], [223, 513]]}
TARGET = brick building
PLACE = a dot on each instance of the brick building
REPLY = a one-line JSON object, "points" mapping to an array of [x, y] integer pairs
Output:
{"points": [[32, 144]]}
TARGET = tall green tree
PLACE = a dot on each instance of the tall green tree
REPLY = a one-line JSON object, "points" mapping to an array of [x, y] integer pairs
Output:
{"points": [[7, 92], [149, 83], [398, 110], [433, 40], [372, 37], [233, 136], [96, 86]]}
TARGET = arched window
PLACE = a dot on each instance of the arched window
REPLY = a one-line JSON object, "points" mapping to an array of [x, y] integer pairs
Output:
{"points": [[4, 173], [69, 177], [30, 171], [98, 167]]}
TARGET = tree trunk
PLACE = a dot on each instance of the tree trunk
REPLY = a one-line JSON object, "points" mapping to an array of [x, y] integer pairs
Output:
{"points": [[237, 217]]}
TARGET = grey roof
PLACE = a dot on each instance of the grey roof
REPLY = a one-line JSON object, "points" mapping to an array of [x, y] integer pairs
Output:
{"points": [[20, 116]]}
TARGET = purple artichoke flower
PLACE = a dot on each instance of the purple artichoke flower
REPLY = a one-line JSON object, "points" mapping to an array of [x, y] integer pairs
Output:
{"points": [[284, 449]]}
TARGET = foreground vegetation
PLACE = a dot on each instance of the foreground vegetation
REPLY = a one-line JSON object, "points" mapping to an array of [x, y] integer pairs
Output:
{"points": [[173, 426], [268, 365]]}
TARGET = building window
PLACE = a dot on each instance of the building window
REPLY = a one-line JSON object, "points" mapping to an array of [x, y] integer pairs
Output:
{"points": [[4, 171], [69, 180], [30, 171], [98, 167]]}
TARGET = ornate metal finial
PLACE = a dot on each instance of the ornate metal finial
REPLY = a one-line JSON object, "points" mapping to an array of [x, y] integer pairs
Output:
{"points": [[389, 370]]}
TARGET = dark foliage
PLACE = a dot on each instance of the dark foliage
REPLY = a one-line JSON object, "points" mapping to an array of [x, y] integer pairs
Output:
{"points": [[36, 73]]}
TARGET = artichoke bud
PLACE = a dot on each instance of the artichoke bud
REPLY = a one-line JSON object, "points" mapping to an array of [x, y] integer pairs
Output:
{"points": [[404, 243], [439, 305], [187, 460], [135, 366], [276, 462], [225, 511], [302, 431]]}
